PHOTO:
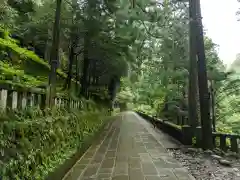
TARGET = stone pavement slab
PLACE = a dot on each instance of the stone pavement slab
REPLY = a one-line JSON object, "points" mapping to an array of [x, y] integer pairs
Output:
{"points": [[129, 149]]}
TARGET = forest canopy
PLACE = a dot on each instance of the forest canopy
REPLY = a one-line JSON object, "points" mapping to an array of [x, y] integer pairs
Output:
{"points": [[143, 43]]}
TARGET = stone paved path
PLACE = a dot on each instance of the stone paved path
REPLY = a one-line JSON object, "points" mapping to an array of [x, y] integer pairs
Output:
{"points": [[129, 149]]}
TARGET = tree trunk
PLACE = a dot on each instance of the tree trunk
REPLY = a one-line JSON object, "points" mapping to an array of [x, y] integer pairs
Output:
{"points": [[203, 84], [48, 47], [198, 104], [54, 55], [213, 106], [78, 77], [70, 60], [192, 92], [84, 83]]}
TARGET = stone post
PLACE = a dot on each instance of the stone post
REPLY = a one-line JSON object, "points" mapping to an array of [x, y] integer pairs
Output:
{"points": [[199, 136], [43, 101], [187, 135], [3, 99], [14, 100], [24, 100]]}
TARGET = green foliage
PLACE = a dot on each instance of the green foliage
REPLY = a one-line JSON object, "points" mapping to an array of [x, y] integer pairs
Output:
{"points": [[158, 81], [23, 53], [227, 103], [194, 141], [12, 75], [147, 42], [20, 63], [32, 145], [146, 109], [125, 94], [7, 15]]}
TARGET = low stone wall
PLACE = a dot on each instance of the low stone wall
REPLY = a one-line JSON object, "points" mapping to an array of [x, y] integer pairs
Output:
{"points": [[182, 134]]}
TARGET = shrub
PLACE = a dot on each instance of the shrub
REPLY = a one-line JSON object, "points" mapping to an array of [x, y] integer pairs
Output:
{"points": [[32, 145]]}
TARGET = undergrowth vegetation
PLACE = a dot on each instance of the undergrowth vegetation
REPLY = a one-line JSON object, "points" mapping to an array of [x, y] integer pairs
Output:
{"points": [[34, 143]]}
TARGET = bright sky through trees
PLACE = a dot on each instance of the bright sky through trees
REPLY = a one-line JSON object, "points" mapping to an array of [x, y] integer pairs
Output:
{"points": [[220, 21]]}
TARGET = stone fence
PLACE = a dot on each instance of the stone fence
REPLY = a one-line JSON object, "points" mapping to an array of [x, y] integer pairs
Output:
{"points": [[223, 141], [20, 98]]}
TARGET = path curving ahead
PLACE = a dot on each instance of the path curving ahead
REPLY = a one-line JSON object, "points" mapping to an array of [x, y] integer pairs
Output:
{"points": [[129, 149]]}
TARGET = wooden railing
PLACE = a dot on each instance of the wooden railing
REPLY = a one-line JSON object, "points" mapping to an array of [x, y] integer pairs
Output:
{"points": [[183, 134], [20, 98]]}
